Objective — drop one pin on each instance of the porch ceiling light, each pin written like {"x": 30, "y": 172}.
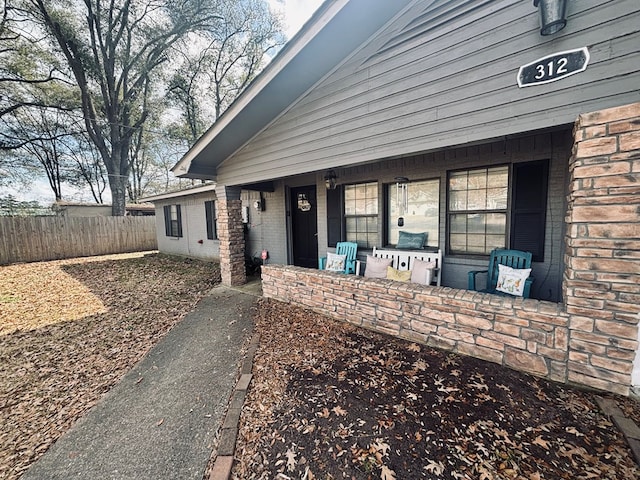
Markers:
{"x": 330, "y": 179}
{"x": 553, "y": 15}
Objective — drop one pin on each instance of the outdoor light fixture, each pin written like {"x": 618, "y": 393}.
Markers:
{"x": 330, "y": 179}
{"x": 553, "y": 15}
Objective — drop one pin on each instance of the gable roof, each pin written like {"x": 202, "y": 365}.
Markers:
{"x": 336, "y": 30}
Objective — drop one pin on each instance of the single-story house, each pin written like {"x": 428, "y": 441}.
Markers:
{"x": 79, "y": 209}
{"x": 482, "y": 124}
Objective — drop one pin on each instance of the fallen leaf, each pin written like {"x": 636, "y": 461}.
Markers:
{"x": 387, "y": 474}
{"x": 291, "y": 460}
{"x": 338, "y": 410}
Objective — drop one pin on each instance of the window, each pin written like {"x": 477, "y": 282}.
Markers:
{"x": 172, "y": 221}
{"x": 361, "y": 214}
{"x": 477, "y": 210}
{"x": 414, "y": 207}
{"x": 210, "y": 213}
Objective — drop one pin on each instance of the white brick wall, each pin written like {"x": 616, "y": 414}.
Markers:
{"x": 194, "y": 228}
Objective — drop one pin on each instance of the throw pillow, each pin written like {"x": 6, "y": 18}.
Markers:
{"x": 411, "y": 240}
{"x": 335, "y": 263}
{"x": 511, "y": 280}
{"x": 377, "y": 267}
{"x": 398, "y": 275}
{"x": 422, "y": 272}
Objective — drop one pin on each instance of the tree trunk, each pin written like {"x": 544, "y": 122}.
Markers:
{"x": 118, "y": 185}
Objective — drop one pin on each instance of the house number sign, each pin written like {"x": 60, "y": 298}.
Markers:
{"x": 553, "y": 67}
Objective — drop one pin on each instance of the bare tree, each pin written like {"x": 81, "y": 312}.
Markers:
{"x": 226, "y": 59}
{"x": 112, "y": 49}
{"x": 40, "y": 136}
{"x": 88, "y": 170}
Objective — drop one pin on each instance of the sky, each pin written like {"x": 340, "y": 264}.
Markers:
{"x": 296, "y": 13}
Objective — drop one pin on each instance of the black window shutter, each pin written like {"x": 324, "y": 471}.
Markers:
{"x": 334, "y": 216}
{"x": 210, "y": 211}
{"x": 167, "y": 220}
{"x": 179, "y": 233}
{"x": 529, "y": 207}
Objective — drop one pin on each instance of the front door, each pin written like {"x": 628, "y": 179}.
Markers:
{"x": 304, "y": 226}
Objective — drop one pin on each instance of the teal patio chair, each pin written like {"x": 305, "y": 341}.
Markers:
{"x": 350, "y": 249}
{"x": 511, "y": 258}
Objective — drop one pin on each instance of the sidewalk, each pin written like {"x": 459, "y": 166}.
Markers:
{"x": 161, "y": 420}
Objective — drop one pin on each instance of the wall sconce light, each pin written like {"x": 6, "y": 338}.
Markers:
{"x": 553, "y": 15}
{"x": 330, "y": 179}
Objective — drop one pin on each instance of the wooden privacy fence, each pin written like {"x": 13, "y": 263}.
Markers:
{"x": 32, "y": 239}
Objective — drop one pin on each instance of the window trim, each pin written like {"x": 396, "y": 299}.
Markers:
{"x": 376, "y": 216}
{"x": 173, "y": 227}
{"x": 506, "y": 211}
{"x": 510, "y": 212}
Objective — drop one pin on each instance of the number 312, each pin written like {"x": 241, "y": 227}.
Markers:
{"x": 548, "y": 69}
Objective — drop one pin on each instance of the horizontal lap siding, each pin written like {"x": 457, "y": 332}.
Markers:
{"x": 449, "y": 86}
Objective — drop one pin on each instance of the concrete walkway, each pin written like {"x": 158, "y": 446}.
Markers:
{"x": 160, "y": 421}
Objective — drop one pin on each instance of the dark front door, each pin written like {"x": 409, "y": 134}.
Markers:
{"x": 304, "y": 226}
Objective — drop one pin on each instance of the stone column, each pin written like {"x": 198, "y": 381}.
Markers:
{"x": 602, "y": 263}
{"x": 231, "y": 235}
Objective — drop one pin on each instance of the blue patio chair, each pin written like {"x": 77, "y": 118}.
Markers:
{"x": 511, "y": 258}
{"x": 350, "y": 249}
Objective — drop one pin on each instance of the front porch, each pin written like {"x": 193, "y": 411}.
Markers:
{"x": 589, "y": 338}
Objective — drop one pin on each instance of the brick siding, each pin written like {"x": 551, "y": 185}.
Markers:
{"x": 231, "y": 236}
{"x": 602, "y": 275}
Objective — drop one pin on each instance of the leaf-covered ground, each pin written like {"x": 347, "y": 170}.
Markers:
{"x": 330, "y": 401}
{"x": 69, "y": 330}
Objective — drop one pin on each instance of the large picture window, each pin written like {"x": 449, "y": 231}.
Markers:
{"x": 414, "y": 207}
{"x": 477, "y": 210}
{"x": 361, "y": 214}
{"x": 172, "y": 221}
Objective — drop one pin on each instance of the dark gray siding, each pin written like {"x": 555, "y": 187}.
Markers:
{"x": 444, "y": 74}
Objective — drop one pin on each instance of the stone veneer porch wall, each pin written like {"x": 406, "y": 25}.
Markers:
{"x": 591, "y": 339}
{"x": 524, "y": 334}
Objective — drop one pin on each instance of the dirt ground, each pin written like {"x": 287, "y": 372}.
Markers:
{"x": 327, "y": 400}
{"x": 330, "y": 401}
{"x": 69, "y": 330}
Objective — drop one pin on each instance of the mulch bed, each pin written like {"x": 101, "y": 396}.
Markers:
{"x": 69, "y": 330}
{"x": 331, "y": 401}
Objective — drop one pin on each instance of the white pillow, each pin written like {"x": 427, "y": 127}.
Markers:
{"x": 377, "y": 267}
{"x": 422, "y": 272}
{"x": 335, "y": 263}
{"x": 511, "y": 280}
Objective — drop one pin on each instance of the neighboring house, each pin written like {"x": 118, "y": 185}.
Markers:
{"x": 78, "y": 209}
{"x": 418, "y": 116}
